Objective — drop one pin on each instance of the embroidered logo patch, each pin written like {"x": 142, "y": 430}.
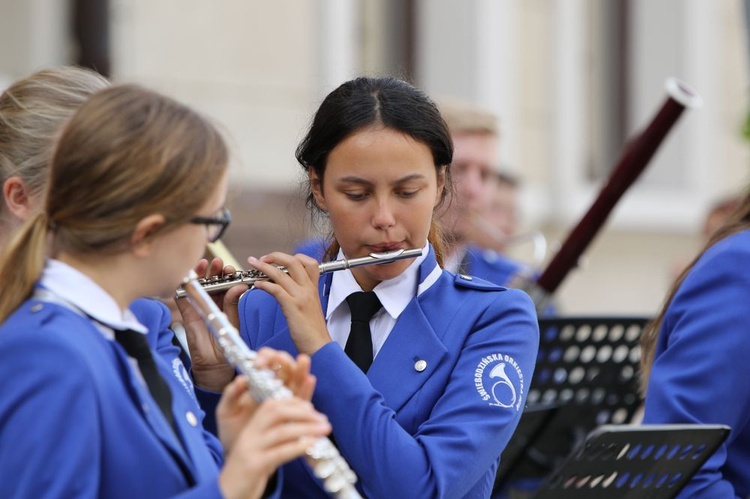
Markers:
{"x": 178, "y": 368}
{"x": 499, "y": 381}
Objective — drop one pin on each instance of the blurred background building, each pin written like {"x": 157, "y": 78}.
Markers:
{"x": 571, "y": 82}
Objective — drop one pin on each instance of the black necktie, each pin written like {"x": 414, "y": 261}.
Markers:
{"x": 136, "y": 346}
{"x": 363, "y": 305}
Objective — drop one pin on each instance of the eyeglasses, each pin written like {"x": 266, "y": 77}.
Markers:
{"x": 214, "y": 225}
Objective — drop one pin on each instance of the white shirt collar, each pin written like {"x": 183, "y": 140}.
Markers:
{"x": 71, "y": 286}
{"x": 394, "y": 294}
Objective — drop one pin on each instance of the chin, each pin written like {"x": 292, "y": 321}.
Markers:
{"x": 388, "y": 271}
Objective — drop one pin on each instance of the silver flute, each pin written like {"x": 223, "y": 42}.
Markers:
{"x": 217, "y": 284}
{"x": 323, "y": 457}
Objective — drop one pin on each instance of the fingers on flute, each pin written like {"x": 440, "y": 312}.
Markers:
{"x": 233, "y": 294}
{"x": 201, "y": 268}
{"x": 277, "y": 360}
{"x": 311, "y": 266}
{"x": 303, "y": 382}
{"x": 215, "y": 268}
{"x": 277, "y": 277}
{"x": 284, "y": 420}
{"x": 236, "y": 390}
{"x": 293, "y": 265}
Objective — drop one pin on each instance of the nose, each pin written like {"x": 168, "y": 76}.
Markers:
{"x": 384, "y": 215}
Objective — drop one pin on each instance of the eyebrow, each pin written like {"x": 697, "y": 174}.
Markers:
{"x": 351, "y": 179}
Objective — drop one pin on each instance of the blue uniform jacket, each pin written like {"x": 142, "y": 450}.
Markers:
{"x": 157, "y": 318}
{"x": 492, "y": 266}
{"x": 76, "y": 422}
{"x": 441, "y": 399}
{"x": 700, "y": 370}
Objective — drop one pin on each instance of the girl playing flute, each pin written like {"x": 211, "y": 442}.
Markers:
{"x": 88, "y": 410}
{"x": 451, "y": 356}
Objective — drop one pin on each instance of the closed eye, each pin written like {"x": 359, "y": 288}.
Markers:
{"x": 408, "y": 194}
{"x": 356, "y": 196}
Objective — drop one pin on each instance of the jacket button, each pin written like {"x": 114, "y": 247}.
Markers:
{"x": 466, "y": 277}
{"x": 420, "y": 365}
{"x": 191, "y": 418}
{"x": 36, "y": 307}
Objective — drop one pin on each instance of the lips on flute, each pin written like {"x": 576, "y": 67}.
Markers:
{"x": 218, "y": 284}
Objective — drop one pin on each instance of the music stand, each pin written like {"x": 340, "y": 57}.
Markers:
{"x": 587, "y": 369}
{"x": 532, "y": 422}
{"x": 634, "y": 462}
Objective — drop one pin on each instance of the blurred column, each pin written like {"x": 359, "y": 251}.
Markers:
{"x": 470, "y": 49}
{"x": 91, "y": 33}
{"x": 33, "y": 34}
{"x": 570, "y": 110}
{"x": 339, "y": 43}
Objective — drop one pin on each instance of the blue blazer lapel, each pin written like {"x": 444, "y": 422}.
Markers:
{"x": 394, "y": 371}
{"x": 154, "y": 418}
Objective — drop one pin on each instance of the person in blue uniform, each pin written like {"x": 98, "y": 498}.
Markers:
{"x": 32, "y": 112}
{"x": 469, "y": 249}
{"x": 475, "y": 136}
{"x": 452, "y": 356}
{"x": 693, "y": 355}
{"x": 88, "y": 409}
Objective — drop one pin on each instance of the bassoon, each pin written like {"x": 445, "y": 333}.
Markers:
{"x": 633, "y": 160}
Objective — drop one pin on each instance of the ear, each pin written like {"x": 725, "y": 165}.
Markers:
{"x": 17, "y": 197}
{"x": 440, "y": 185}
{"x": 142, "y": 241}
{"x": 316, "y": 184}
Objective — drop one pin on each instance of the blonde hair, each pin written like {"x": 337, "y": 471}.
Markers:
{"x": 32, "y": 112}
{"x": 464, "y": 117}
{"x": 126, "y": 153}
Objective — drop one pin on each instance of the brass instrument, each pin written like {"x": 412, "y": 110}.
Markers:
{"x": 323, "y": 457}
{"x": 217, "y": 284}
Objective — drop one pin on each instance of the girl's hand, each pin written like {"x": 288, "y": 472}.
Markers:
{"x": 209, "y": 367}
{"x": 277, "y": 431}
{"x": 237, "y": 406}
{"x": 295, "y": 374}
{"x": 297, "y": 293}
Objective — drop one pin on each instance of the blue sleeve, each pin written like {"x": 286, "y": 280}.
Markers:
{"x": 42, "y": 404}
{"x": 460, "y": 440}
{"x": 314, "y": 247}
{"x": 699, "y": 374}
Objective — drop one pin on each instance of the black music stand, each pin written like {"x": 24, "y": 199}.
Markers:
{"x": 634, "y": 462}
{"x": 587, "y": 369}
{"x": 532, "y": 422}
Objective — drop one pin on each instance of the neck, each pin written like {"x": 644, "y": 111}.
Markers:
{"x": 365, "y": 282}
{"x": 455, "y": 248}
{"x": 113, "y": 273}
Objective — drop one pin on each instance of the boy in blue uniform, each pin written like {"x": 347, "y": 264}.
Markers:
{"x": 474, "y": 169}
